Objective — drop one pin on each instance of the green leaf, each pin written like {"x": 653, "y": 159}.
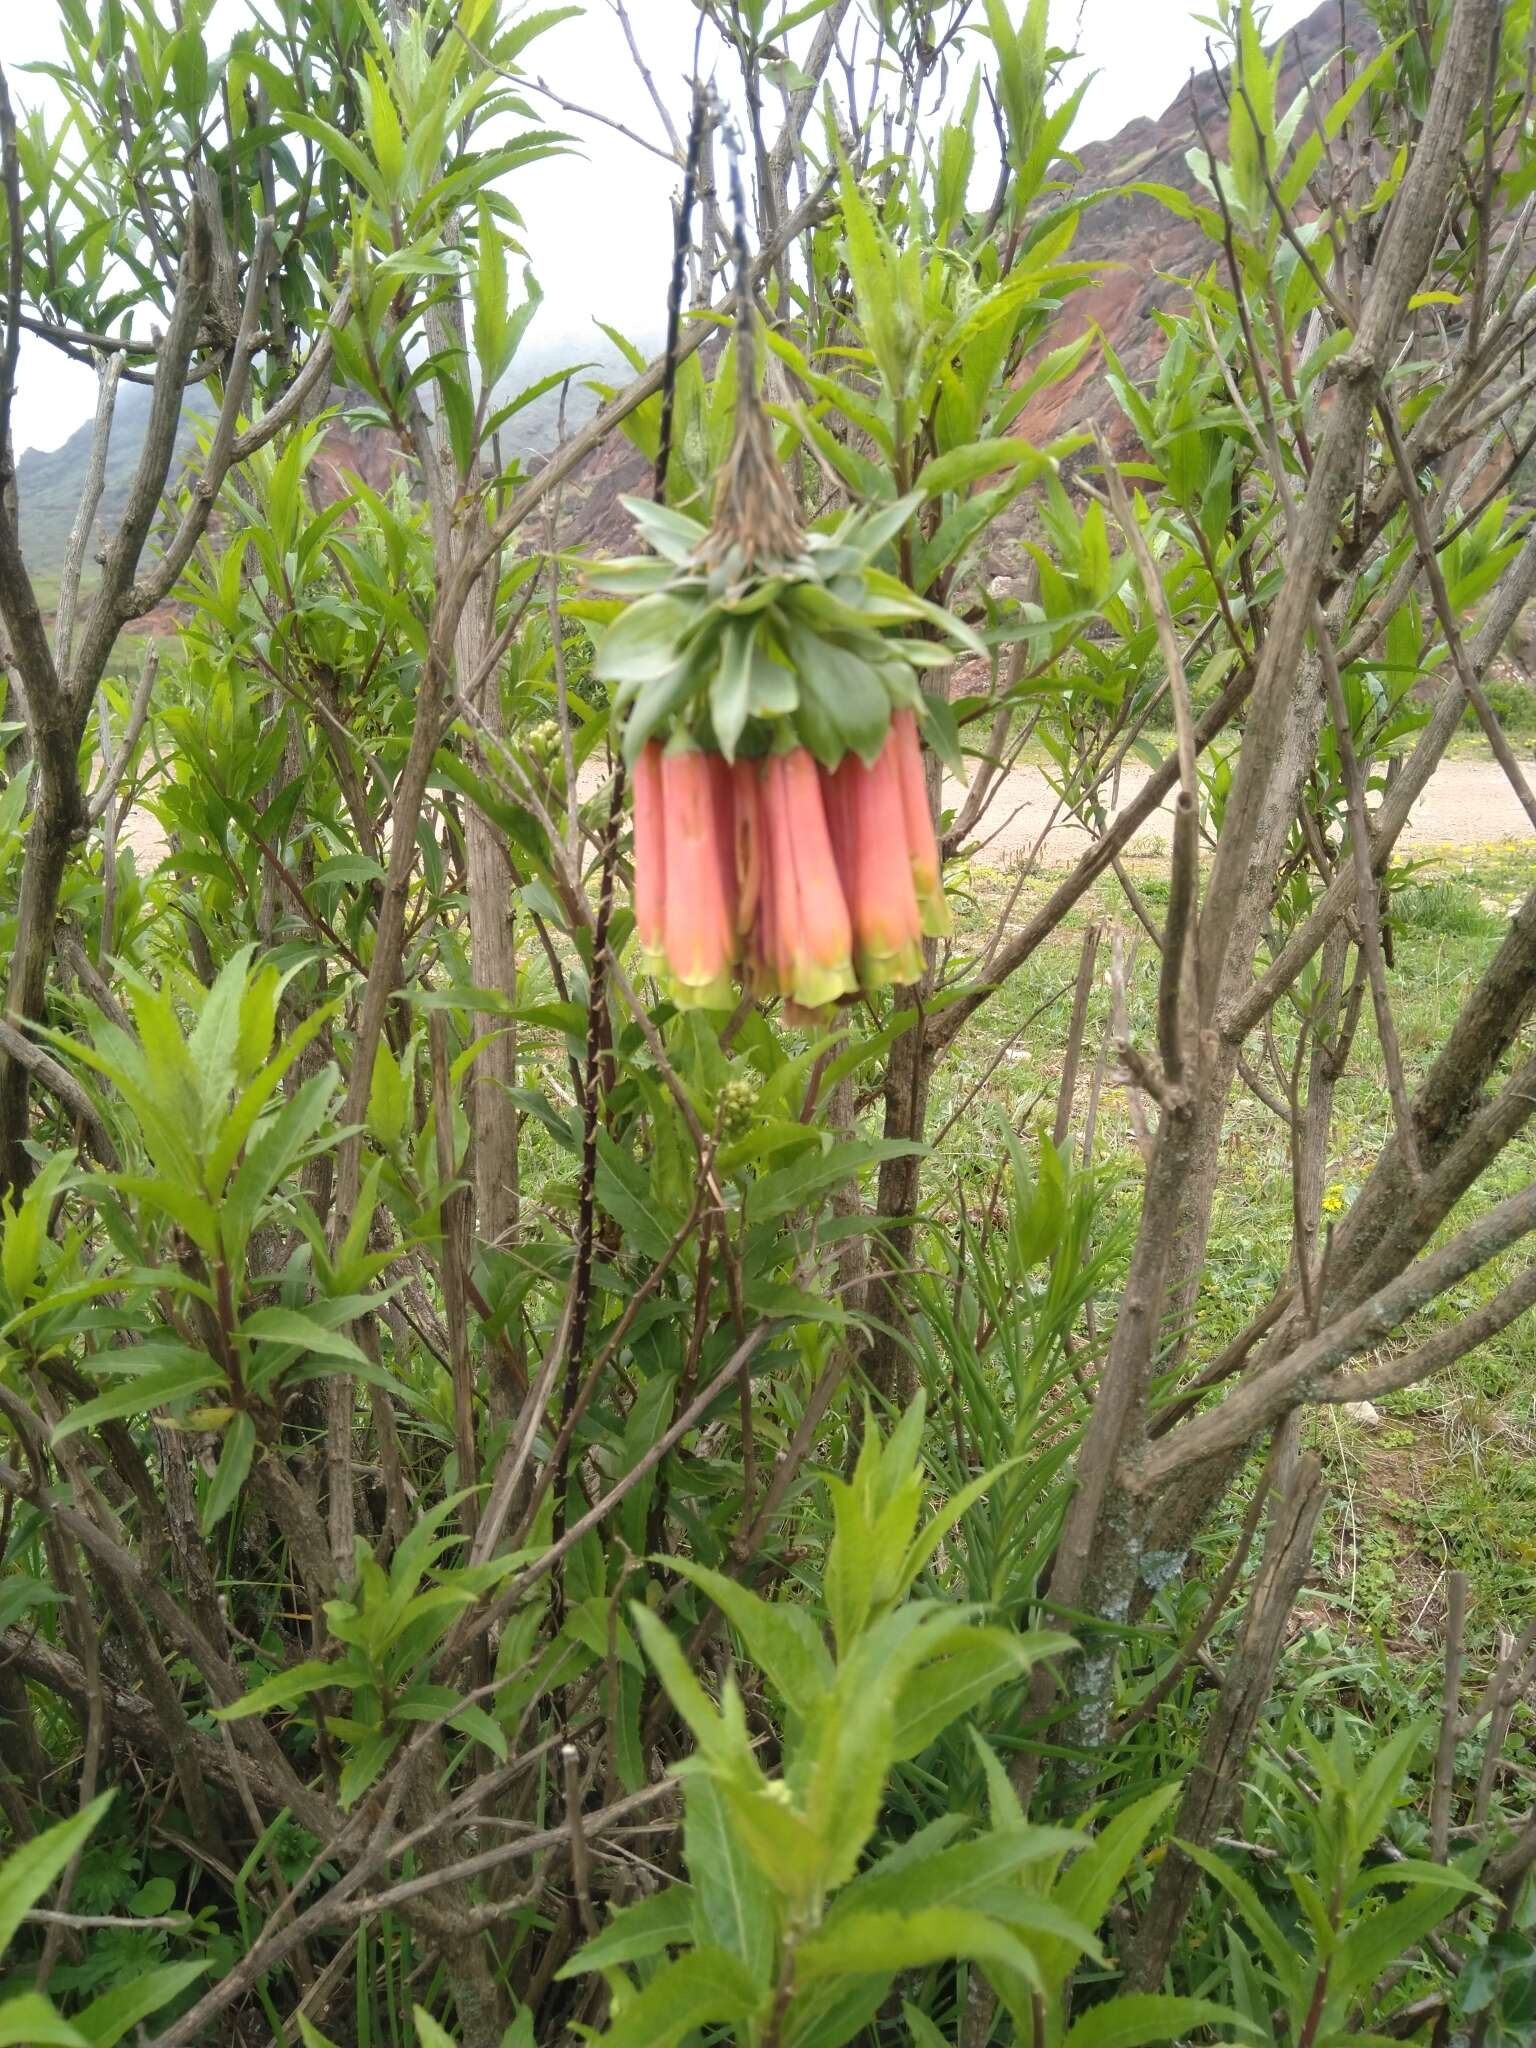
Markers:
{"x": 1387, "y": 1935}
{"x": 872, "y": 264}
{"x": 388, "y": 1103}
{"x": 1281, "y": 1954}
{"x": 704, "y": 1988}
{"x": 636, "y": 1933}
{"x": 779, "y": 1636}
{"x": 733, "y": 1901}
{"x": 928, "y": 1539}
{"x": 293, "y": 1326}
{"x": 281, "y": 1689}
{"x": 188, "y": 61}
{"x": 475, "y": 1721}
{"x": 143, "y": 1392}
{"x": 230, "y": 1475}
{"x": 924, "y": 2033}
{"x": 730, "y": 693}
{"x": 885, "y": 1943}
{"x": 27, "y": 1874}
{"x": 490, "y": 317}
{"x": 32, "y": 2021}
{"x": 676, "y": 1675}
{"x": 968, "y": 1669}
{"x": 107, "y": 2019}
{"x": 347, "y": 154}
{"x": 961, "y": 466}
{"x": 21, "y": 1595}
{"x": 384, "y": 128}
{"x": 364, "y": 1765}
{"x": 843, "y": 703}
{"x": 1087, "y": 1887}
{"x": 645, "y": 641}
{"x": 1135, "y": 2017}
{"x": 961, "y": 1874}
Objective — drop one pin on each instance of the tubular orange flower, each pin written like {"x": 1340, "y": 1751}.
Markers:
{"x": 922, "y": 844}
{"x": 650, "y": 861}
{"x": 700, "y": 942}
{"x": 723, "y": 799}
{"x": 838, "y": 803}
{"x": 762, "y": 948}
{"x": 747, "y": 841}
{"x": 887, "y": 929}
{"x": 809, "y": 940}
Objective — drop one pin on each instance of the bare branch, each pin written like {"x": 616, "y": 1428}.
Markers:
{"x": 147, "y": 592}
{"x": 62, "y": 1084}
{"x": 1513, "y": 594}
{"x": 1367, "y": 901}
{"x": 90, "y": 498}
{"x": 95, "y": 810}
{"x": 112, "y": 608}
{"x": 1466, "y": 670}
{"x": 648, "y": 81}
{"x": 1445, "y": 1755}
{"x": 1301, "y": 1374}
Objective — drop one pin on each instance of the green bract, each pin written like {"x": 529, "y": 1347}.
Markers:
{"x": 817, "y": 649}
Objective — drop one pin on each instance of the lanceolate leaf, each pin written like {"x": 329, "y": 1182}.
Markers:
{"x": 1132, "y": 2019}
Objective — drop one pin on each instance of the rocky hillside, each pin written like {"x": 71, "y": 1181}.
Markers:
{"x": 48, "y": 484}
{"x": 1145, "y": 250}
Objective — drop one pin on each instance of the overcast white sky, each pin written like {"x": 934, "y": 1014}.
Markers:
{"x": 599, "y": 225}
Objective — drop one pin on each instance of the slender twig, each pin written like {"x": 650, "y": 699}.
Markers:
{"x": 648, "y": 81}
{"x": 1445, "y": 1755}
{"x": 59, "y": 1082}
{"x": 1303, "y": 1372}
{"x": 581, "y": 1855}
{"x": 1466, "y": 671}
{"x": 138, "y": 711}
{"x": 1367, "y": 895}
{"x": 701, "y": 120}
{"x": 90, "y": 499}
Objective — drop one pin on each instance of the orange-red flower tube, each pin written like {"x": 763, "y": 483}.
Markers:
{"x": 698, "y": 926}
{"x": 808, "y": 943}
{"x": 747, "y": 841}
{"x": 887, "y": 928}
{"x": 922, "y": 843}
{"x": 722, "y": 796}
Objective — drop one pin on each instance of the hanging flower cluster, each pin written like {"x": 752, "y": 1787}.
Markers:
{"x": 799, "y": 882}
{"x": 769, "y": 711}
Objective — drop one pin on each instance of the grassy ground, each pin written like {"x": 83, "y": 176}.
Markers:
{"x": 1446, "y": 1478}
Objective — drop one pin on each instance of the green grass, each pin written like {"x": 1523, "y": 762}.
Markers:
{"x": 1446, "y": 1479}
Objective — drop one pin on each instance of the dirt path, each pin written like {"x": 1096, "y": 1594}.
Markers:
{"x": 1467, "y": 803}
